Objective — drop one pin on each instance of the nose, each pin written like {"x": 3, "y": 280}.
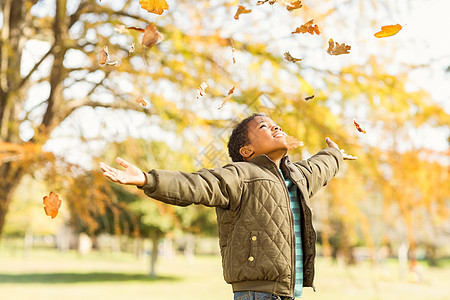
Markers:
{"x": 276, "y": 128}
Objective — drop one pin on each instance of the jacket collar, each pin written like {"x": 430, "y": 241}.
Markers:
{"x": 288, "y": 168}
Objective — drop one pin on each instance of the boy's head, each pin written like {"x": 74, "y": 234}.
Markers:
{"x": 256, "y": 135}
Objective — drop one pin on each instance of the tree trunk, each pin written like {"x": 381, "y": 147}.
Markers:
{"x": 154, "y": 256}
{"x": 10, "y": 174}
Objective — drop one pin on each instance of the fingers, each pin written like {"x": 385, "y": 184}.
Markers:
{"x": 331, "y": 143}
{"x": 350, "y": 157}
{"x": 109, "y": 172}
{"x": 122, "y": 162}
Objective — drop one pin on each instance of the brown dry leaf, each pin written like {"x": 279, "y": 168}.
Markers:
{"x": 309, "y": 97}
{"x": 294, "y": 5}
{"x": 132, "y": 48}
{"x": 271, "y": 2}
{"x": 201, "y": 91}
{"x": 120, "y": 28}
{"x": 337, "y": 49}
{"x": 151, "y": 36}
{"x": 228, "y": 97}
{"x": 136, "y": 29}
{"x": 233, "y": 50}
{"x": 241, "y": 10}
{"x": 292, "y": 142}
{"x": 141, "y": 100}
{"x": 358, "y": 127}
{"x": 388, "y": 30}
{"x": 103, "y": 58}
{"x": 290, "y": 58}
{"x": 52, "y": 204}
{"x": 308, "y": 27}
{"x": 154, "y": 6}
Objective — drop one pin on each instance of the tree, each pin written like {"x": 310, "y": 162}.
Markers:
{"x": 204, "y": 48}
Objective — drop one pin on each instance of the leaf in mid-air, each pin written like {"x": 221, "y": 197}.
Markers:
{"x": 132, "y": 48}
{"x": 52, "y": 204}
{"x": 290, "y": 58}
{"x": 225, "y": 100}
{"x": 388, "y": 30}
{"x": 358, "y": 127}
{"x": 201, "y": 91}
{"x": 241, "y": 10}
{"x": 337, "y": 49}
{"x": 154, "y": 6}
{"x": 151, "y": 36}
{"x": 308, "y": 27}
{"x": 103, "y": 58}
{"x": 294, "y": 5}
{"x": 141, "y": 100}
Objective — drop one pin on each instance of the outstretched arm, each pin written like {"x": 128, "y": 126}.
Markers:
{"x": 323, "y": 166}
{"x": 131, "y": 175}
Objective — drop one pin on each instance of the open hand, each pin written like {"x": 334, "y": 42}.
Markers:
{"x": 131, "y": 175}
{"x": 344, "y": 155}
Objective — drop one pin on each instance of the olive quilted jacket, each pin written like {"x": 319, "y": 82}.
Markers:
{"x": 255, "y": 222}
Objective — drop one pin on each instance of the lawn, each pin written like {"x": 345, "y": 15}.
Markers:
{"x": 49, "y": 274}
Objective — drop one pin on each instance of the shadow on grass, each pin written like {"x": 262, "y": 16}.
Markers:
{"x": 55, "y": 278}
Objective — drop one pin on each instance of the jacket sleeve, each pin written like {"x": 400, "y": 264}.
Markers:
{"x": 209, "y": 187}
{"x": 320, "y": 168}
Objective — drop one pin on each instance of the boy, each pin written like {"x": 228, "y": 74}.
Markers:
{"x": 262, "y": 201}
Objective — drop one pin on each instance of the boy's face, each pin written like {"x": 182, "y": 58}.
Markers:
{"x": 266, "y": 137}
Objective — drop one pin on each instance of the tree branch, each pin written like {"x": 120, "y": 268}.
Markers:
{"x": 36, "y": 66}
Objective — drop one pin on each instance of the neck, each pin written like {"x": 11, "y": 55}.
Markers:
{"x": 274, "y": 156}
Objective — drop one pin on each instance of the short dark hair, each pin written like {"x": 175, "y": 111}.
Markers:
{"x": 239, "y": 137}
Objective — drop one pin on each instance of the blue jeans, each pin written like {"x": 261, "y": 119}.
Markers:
{"x": 251, "y": 295}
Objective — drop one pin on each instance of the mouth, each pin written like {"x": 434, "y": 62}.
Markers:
{"x": 280, "y": 135}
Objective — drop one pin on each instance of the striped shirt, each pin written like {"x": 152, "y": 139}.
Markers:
{"x": 296, "y": 212}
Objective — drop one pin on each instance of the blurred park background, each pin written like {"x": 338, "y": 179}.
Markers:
{"x": 383, "y": 223}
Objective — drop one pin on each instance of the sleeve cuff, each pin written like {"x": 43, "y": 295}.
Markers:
{"x": 150, "y": 183}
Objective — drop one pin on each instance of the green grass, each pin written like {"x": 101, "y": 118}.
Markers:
{"x": 49, "y": 274}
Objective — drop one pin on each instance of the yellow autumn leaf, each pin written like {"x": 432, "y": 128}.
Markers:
{"x": 388, "y": 30}
{"x": 154, "y": 6}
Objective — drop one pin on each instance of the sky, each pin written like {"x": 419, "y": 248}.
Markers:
{"x": 423, "y": 38}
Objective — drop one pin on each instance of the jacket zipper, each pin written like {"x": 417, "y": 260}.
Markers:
{"x": 291, "y": 219}
{"x": 303, "y": 216}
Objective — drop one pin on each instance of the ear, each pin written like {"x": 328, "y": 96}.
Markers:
{"x": 246, "y": 151}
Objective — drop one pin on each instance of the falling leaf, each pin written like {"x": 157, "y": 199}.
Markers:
{"x": 271, "y": 2}
{"x": 337, "y": 49}
{"x": 52, "y": 204}
{"x": 233, "y": 50}
{"x": 154, "y": 6}
{"x": 201, "y": 90}
{"x": 136, "y": 29}
{"x": 241, "y": 10}
{"x": 308, "y": 27}
{"x": 358, "y": 127}
{"x": 309, "y": 97}
{"x": 228, "y": 97}
{"x": 292, "y": 142}
{"x": 151, "y": 36}
{"x": 294, "y": 5}
{"x": 120, "y": 28}
{"x": 290, "y": 58}
{"x": 103, "y": 57}
{"x": 141, "y": 100}
{"x": 388, "y": 30}
{"x": 132, "y": 48}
